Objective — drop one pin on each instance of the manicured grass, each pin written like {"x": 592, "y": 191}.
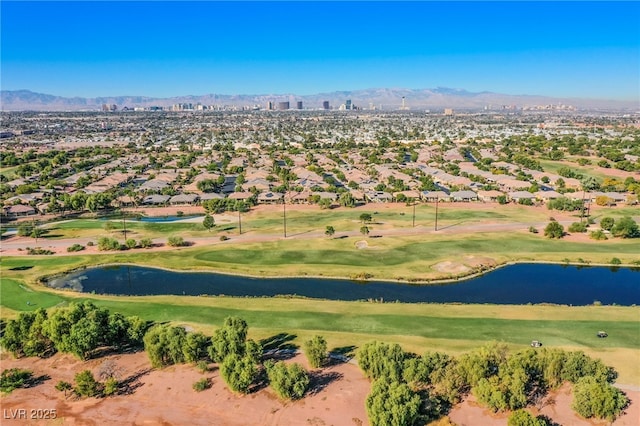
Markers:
{"x": 407, "y": 257}
{"x": 451, "y": 328}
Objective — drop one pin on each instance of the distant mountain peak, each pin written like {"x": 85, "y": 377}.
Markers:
{"x": 388, "y": 98}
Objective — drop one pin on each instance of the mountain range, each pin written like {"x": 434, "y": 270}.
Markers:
{"x": 387, "y": 98}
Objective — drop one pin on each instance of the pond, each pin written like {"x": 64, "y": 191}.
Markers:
{"x": 514, "y": 284}
{"x": 161, "y": 219}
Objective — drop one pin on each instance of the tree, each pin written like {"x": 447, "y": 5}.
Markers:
{"x": 14, "y": 378}
{"x": 594, "y": 398}
{"x": 329, "y": 231}
{"x": 238, "y": 372}
{"x": 131, "y": 243}
{"x": 607, "y": 223}
{"x": 289, "y": 381}
{"x": 364, "y": 230}
{"x": 164, "y": 345}
{"x": 554, "y": 230}
{"x": 377, "y": 359}
{"x": 229, "y": 339}
{"x": 316, "y": 351}
{"x": 63, "y": 386}
{"x": 392, "y": 404}
{"x": 625, "y": 228}
{"x": 208, "y": 222}
{"x": 366, "y": 217}
{"x": 195, "y": 347}
{"x": 325, "y": 203}
{"x": 86, "y": 384}
{"x": 524, "y": 418}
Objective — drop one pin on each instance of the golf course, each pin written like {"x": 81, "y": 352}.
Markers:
{"x": 401, "y": 252}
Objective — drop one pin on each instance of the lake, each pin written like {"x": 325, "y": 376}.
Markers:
{"x": 514, "y": 284}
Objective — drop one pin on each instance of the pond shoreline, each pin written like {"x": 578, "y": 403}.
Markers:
{"x": 524, "y": 283}
{"x": 417, "y": 282}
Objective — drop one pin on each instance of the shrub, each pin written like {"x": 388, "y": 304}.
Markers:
{"x": 289, "y": 381}
{"x": 37, "y": 251}
{"x": 554, "y": 230}
{"x": 525, "y": 201}
{"x": 63, "y": 386}
{"x": 75, "y": 247}
{"x": 86, "y": 384}
{"x": 202, "y": 366}
{"x": 607, "y": 223}
{"x": 202, "y": 384}
{"x": 615, "y": 261}
{"x": 316, "y": 351}
{"x": 598, "y": 235}
{"x": 223, "y": 238}
{"x": 111, "y": 386}
{"x": 578, "y": 227}
{"x": 594, "y": 398}
{"x": 524, "y": 418}
{"x": 625, "y": 228}
{"x": 106, "y": 243}
{"x": 146, "y": 242}
{"x": 90, "y": 244}
{"x": 533, "y": 230}
{"x": 131, "y": 243}
{"x": 175, "y": 241}
{"x": 14, "y": 378}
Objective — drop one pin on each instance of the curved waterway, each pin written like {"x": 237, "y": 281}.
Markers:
{"x": 514, "y": 284}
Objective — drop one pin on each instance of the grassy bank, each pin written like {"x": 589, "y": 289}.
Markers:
{"x": 413, "y": 258}
{"x": 418, "y": 327}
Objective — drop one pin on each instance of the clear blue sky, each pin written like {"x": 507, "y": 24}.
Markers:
{"x": 151, "y": 48}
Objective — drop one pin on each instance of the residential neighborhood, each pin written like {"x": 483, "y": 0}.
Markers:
{"x": 89, "y": 162}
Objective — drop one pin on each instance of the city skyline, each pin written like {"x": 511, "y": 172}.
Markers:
{"x": 164, "y": 49}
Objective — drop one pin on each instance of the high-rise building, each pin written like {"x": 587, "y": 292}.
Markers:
{"x": 283, "y": 106}
{"x": 325, "y": 105}
{"x": 347, "y": 105}
{"x": 299, "y": 105}
{"x": 269, "y": 106}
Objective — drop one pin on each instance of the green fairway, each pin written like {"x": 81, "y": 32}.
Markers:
{"x": 451, "y": 328}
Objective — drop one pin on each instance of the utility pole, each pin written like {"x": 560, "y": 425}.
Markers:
{"x": 437, "y": 198}
{"x": 284, "y": 215}
{"x": 414, "y": 214}
{"x": 124, "y": 225}
{"x": 239, "y": 222}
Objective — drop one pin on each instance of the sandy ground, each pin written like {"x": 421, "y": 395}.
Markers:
{"x": 166, "y": 397}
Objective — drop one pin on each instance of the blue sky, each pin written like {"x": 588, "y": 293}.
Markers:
{"x": 151, "y": 48}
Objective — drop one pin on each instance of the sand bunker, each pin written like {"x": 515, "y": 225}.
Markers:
{"x": 362, "y": 244}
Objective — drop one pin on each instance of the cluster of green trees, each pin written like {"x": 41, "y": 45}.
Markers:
{"x": 564, "y": 204}
{"x": 239, "y": 358}
{"x": 79, "y": 329}
{"x": 408, "y": 388}
{"x": 222, "y": 205}
{"x": 108, "y": 243}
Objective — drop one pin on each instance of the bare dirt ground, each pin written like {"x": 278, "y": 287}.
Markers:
{"x": 556, "y": 406}
{"x": 166, "y": 397}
